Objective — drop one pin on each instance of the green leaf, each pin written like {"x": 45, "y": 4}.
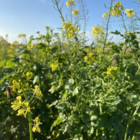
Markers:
{"x": 76, "y": 91}
{"x": 35, "y": 79}
{"x": 71, "y": 81}
{"x": 93, "y": 117}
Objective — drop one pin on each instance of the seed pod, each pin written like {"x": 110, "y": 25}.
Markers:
{"x": 9, "y": 92}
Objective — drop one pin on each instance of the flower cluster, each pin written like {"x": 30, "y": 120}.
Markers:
{"x": 36, "y": 125}
{"x": 105, "y": 15}
{"x": 21, "y": 35}
{"x": 54, "y": 66}
{"x": 96, "y": 30}
{"x": 15, "y": 85}
{"x": 9, "y": 51}
{"x": 70, "y": 3}
{"x": 15, "y": 43}
{"x": 110, "y": 69}
{"x": 75, "y": 12}
{"x": 37, "y": 92}
{"x": 22, "y": 107}
{"x": 28, "y": 75}
{"x": 130, "y": 12}
{"x": 70, "y": 28}
{"x": 117, "y": 9}
{"x": 29, "y": 47}
{"x": 89, "y": 58}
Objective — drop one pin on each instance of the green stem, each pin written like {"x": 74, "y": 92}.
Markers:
{"x": 30, "y": 126}
{"x": 29, "y": 119}
{"x": 127, "y": 127}
{"x": 128, "y": 124}
{"x": 133, "y": 138}
{"x": 124, "y": 24}
{"x": 107, "y": 26}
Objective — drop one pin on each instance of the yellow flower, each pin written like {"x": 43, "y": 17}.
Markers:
{"x": 70, "y": 3}
{"x": 60, "y": 82}
{"x": 110, "y": 69}
{"x": 28, "y": 109}
{"x": 15, "y": 85}
{"x": 29, "y": 47}
{"x": 75, "y": 12}
{"x": 130, "y": 12}
{"x": 57, "y": 135}
{"x": 20, "y": 90}
{"x": 69, "y": 28}
{"x": 90, "y": 54}
{"x": 26, "y": 103}
{"x": 96, "y": 30}
{"x": 21, "y": 35}
{"x": 36, "y": 129}
{"x": 17, "y": 103}
{"x": 117, "y": 9}
{"x": 54, "y": 66}
{"x": 86, "y": 58}
{"x": 29, "y": 75}
{"x": 18, "y": 98}
{"x": 15, "y": 43}
{"x": 105, "y": 15}
{"x": 37, "y": 92}
{"x": 34, "y": 56}
{"x": 20, "y": 112}
{"x": 36, "y": 125}
{"x": 50, "y": 47}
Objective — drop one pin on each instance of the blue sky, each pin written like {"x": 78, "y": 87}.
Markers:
{"x": 30, "y": 16}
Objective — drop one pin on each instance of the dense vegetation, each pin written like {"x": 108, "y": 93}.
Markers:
{"x": 59, "y": 88}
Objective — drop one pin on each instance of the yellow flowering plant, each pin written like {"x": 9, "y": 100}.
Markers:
{"x": 96, "y": 30}
{"x": 70, "y": 3}
{"x": 75, "y": 12}
{"x": 70, "y": 90}
{"x": 22, "y": 104}
{"x": 116, "y": 9}
{"x": 130, "y": 12}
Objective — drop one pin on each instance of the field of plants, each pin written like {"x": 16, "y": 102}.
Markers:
{"x": 54, "y": 87}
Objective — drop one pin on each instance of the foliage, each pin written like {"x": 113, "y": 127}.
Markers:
{"x": 65, "y": 90}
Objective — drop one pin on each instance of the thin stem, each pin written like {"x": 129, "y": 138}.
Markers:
{"x": 124, "y": 24}
{"x": 56, "y": 3}
{"x": 84, "y": 16}
{"x": 127, "y": 127}
{"x": 29, "y": 119}
{"x": 107, "y": 26}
